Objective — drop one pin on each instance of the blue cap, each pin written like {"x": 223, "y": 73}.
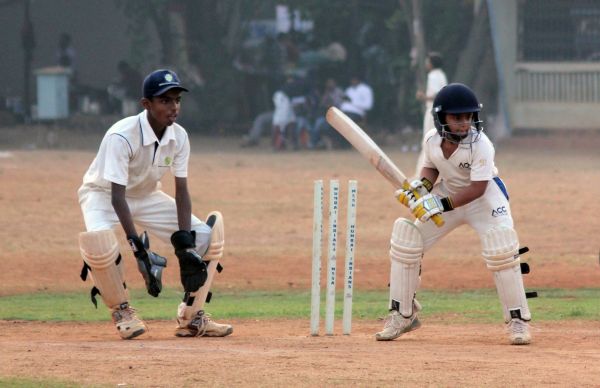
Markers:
{"x": 159, "y": 81}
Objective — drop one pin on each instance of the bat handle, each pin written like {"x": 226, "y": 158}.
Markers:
{"x": 438, "y": 220}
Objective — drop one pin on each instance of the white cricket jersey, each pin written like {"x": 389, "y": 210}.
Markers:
{"x": 470, "y": 162}
{"x": 131, "y": 155}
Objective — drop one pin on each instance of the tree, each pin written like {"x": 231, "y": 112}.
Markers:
{"x": 203, "y": 38}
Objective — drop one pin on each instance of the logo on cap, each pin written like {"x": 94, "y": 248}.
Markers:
{"x": 168, "y": 77}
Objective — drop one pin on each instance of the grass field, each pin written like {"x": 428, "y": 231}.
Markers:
{"x": 479, "y": 306}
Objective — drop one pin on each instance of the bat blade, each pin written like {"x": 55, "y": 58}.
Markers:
{"x": 366, "y": 146}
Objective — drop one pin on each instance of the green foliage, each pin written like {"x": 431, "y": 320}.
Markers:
{"x": 374, "y": 33}
{"x": 474, "y": 306}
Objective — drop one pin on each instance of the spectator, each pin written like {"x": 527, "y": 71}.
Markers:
{"x": 436, "y": 80}
{"x": 332, "y": 95}
{"x": 65, "y": 55}
{"x": 357, "y": 101}
{"x": 284, "y": 121}
{"x": 289, "y": 50}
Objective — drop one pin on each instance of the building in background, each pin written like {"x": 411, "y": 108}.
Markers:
{"x": 547, "y": 56}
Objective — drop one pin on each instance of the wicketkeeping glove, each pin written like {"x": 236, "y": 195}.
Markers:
{"x": 149, "y": 263}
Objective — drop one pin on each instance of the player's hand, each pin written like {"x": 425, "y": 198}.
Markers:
{"x": 406, "y": 197}
{"x": 411, "y": 191}
{"x": 430, "y": 205}
{"x": 149, "y": 263}
{"x": 192, "y": 269}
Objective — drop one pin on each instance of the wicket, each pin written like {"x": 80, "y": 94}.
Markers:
{"x": 334, "y": 189}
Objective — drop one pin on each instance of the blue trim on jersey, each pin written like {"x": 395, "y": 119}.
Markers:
{"x": 502, "y": 186}
{"x": 128, "y": 143}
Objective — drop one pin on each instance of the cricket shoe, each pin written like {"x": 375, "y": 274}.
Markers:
{"x": 396, "y": 325}
{"x": 128, "y": 324}
{"x": 518, "y": 331}
{"x": 201, "y": 325}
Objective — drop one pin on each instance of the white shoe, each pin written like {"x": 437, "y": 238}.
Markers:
{"x": 396, "y": 325}
{"x": 128, "y": 324}
{"x": 202, "y": 326}
{"x": 518, "y": 332}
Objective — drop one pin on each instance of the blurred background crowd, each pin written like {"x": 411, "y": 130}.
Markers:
{"x": 271, "y": 67}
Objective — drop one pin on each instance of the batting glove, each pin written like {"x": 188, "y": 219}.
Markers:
{"x": 430, "y": 205}
{"x": 410, "y": 192}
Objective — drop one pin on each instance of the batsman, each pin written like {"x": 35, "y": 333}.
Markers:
{"x": 122, "y": 186}
{"x": 459, "y": 182}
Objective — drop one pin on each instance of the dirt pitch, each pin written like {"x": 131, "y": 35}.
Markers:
{"x": 266, "y": 199}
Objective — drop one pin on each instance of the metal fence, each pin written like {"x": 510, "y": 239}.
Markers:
{"x": 552, "y": 82}
{"x": 559, "y": 30}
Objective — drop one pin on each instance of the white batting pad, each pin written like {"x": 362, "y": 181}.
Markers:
{"x": 501, "y": 253}
{"x": 405, "y": 253}
{"x": 100, "y": 251}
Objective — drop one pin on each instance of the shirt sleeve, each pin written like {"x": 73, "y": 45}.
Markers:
{"x": 482, "y": 167}
{"x": 116, "y": 165}
{"x": 426, "y": 150}
{"x": 179, "y": 168}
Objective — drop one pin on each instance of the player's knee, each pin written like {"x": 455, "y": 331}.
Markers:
{"x": 500, "y": 248}
{"x": 406, "y": 242}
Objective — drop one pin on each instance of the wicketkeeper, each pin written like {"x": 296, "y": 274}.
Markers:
{"x": 459, "y": 180}
{"x": 122, "y": 185}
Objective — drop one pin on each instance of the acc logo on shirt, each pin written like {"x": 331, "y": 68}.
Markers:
{"x": 168, "y": 161}
{"x": 500, "y": 211}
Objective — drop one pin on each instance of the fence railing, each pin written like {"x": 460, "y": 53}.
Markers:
{"x": 558, "y": 82}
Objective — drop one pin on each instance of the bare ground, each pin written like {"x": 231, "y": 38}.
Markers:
{"x": 266, "y": 199}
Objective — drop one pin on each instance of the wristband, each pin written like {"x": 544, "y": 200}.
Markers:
{"x": 427, "y": 184}
{"x": 447, "y": 204}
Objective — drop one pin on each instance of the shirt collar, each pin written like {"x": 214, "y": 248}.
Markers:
{"x": 148, "y": 135}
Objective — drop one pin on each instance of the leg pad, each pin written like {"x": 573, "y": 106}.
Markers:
{"x": 100, "y": 251}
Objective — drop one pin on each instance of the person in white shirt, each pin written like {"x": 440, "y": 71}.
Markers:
{"x": 436, "y": 80}
{"x": 357, "y": 101}
{"x": 459, "y": 160}
{"x": 122, "y": 186}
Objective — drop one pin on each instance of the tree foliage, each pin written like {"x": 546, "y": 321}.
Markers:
{"x": 374, "y": 33}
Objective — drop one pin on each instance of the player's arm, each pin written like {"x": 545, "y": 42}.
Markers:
{"x": 184, "y": 204}
{"x": 119, "y": 203}
{"x": 469, "y": 193}
{"x": 431, "y": 174}
{"x": 149, "y": 263}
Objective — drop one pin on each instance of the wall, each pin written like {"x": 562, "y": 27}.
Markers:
{"x": 98, "y": 30}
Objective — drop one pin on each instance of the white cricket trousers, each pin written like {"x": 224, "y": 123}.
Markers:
{"x": 155, "y": 213}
